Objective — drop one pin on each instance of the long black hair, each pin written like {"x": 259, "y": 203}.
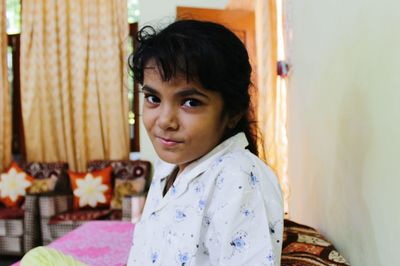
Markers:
{"x": 205, "y": 52}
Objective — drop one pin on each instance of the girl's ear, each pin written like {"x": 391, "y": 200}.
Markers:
{"x": 232, "y": 122}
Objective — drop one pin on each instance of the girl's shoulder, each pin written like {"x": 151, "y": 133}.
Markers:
{"x": 241, "y": 173}
{"x": 243, "y": 160}
{"x": 242, "y": 165}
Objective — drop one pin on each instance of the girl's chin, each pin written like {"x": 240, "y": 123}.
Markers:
{"x": 173, "y": 160}
{"x": 169, "y": 159}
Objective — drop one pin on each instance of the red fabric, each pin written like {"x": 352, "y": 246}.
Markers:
{"x": 11, "y": 213}
{"x": 303, "y": 247}
{"x": 87, "y": 215}
{"x": 80, "y": 215}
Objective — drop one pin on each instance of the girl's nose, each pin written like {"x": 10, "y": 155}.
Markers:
{"x": 167, "y": 119}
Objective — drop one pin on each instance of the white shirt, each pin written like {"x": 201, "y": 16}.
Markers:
{"x": 223, "y": 209}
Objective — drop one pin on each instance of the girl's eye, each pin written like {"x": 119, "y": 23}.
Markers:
{"x": 152, "y": 99}
{"x": 191, "y": 103}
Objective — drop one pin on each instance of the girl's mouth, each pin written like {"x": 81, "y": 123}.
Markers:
{"x": 168, "y": 142}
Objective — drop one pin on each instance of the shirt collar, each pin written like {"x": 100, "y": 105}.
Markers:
{"x": 236, "y": 142}
{"x": 194, "y": 169}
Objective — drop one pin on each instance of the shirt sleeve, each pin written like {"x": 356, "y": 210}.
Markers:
{"x": 240, "y": 230}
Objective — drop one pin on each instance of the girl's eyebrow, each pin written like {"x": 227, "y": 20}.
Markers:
{"x": 149, "y": 89}
{"x": 185, "y": 92}
{"x": 191, "y": 92}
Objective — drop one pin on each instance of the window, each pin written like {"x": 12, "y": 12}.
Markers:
{"x": 133, "y": 97}
{"x": 133, "y": 91}
{"x": 13, "y": 16}
{"x": 13, "y": 31}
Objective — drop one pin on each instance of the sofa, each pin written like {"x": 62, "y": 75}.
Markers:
{"x": 59, "y": 215}
{"x": 20, "y": 226}
{"x": 304, "y": 246}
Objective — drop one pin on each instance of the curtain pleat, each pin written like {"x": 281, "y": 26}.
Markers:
{"x": 74, "y": 80}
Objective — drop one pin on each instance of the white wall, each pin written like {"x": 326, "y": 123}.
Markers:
{"x": 159, "y": 13}
{"x": 344, "y": 125}
{"x": 156, "y": 12}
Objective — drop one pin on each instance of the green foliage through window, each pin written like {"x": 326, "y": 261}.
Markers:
{"x": 133, "y": 11}
{"x": 13, "y": 16}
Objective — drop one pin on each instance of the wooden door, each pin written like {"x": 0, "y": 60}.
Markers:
{"x": 241, "y": 22}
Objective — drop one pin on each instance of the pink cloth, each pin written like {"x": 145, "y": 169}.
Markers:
{"x": 98, "y": 243}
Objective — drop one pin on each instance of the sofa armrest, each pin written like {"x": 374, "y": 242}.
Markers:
{"x": 32, "y": 236}
{"x": 127, "y": 207}
{"x": 49, "y": 206}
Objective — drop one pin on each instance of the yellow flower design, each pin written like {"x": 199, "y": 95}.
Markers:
{"x": 43, "y": 185}
{"x": 90, "y": 191}
{"x": 122, "y": 188}
{"x": 13, "y": 184}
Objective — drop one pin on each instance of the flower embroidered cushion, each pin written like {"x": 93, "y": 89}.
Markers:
{"x": 124, "y": 188}
{"x": 13, "y": 186}
{"x": 91, "y": 190}
{"x": 43, "y": 185}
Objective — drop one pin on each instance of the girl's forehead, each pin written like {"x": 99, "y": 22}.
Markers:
{"x": 176, "y": 85}
{"x": 153, "y": 75}
{"x": 153, "y": 70}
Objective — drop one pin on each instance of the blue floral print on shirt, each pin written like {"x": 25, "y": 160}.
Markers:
{"x": 227, "y": 210}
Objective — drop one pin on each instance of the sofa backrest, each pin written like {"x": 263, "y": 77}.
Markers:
{"x": 40, "y": 170}
{"x": 124, "y": 169}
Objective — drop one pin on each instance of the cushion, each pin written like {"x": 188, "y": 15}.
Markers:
{"x": 41, "y": 170}
{"x": 93, "y": 189}
{"x": 303, "y": 245}
{"x": 124, "y": 188}
{"x": 13, "y": 186}
{"x": 43, "y": 185}
{"x": 123, "y": 169}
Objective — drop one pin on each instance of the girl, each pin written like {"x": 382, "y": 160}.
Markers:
{"x": 212, "y": 201}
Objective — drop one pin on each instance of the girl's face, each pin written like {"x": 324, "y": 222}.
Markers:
{"x": 184, "y": 120}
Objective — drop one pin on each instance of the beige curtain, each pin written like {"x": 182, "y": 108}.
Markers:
{"x": 73, "y": 80}
{"x": 5, "y": 108}
{"x": 271, "y": 101}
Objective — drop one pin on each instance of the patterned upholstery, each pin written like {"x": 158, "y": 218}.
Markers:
{"x": 56, "y": 209}
{"x": 45, "y": 170}
{"x": 126, "y": 209}
{"x": 304, "y": 246}
{"x": 127, "y": 206}
{"x": 20, "y": 228}
{"x": 19, "y": 233}
{"x": 127, "y": 170}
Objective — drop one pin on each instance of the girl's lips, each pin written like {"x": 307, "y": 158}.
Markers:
{"x": 168, "y": 142}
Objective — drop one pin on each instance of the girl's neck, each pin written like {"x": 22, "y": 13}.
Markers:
{"x": 170, "y": 180}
